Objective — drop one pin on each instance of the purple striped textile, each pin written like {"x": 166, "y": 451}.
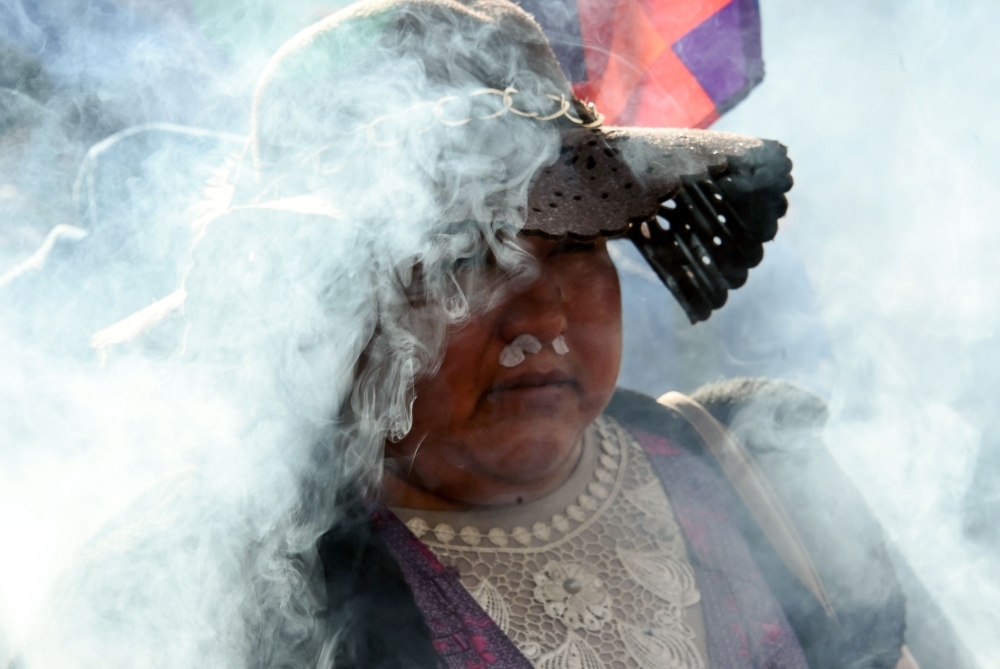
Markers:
{"x": 463, "y": 635}
{"x": 745, "y": 627}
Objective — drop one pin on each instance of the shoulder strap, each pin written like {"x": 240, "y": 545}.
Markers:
{"x": 755, "y": 491}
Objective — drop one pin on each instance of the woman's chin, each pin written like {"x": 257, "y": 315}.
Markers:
{"x": 532, "y": 452}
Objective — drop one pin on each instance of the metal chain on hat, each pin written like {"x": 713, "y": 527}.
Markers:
{"x": 506, "y": 95}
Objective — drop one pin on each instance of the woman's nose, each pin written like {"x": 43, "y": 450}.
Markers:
{"x": 538, "y": 311}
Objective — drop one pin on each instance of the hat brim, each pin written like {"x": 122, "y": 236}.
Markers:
{"x": 699, "y": 204}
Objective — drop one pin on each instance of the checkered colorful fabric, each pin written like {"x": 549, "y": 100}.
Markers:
{"x": 665, "y": 63}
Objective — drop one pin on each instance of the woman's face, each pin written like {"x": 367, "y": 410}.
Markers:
{"x": 487, "y": 434}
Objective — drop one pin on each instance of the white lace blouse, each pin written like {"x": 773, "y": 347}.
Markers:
{"x": 593, "y": 576}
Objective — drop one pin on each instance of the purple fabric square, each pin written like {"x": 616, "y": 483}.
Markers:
{"x": 723, "y": 53}
{"x": 745, "y": 627}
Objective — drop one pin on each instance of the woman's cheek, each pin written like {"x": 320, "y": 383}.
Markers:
{"x": 466, "y": 371}
{"x": 596, "y": 323}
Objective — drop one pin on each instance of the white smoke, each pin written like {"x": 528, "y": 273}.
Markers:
{"x": 887, "y": 108}
{"x": 170, "y": 486}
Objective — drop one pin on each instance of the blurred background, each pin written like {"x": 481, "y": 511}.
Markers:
{"x": 881, "y": 293}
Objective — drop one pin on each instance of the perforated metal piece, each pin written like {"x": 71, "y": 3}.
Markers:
{"x": 702, "y": 244}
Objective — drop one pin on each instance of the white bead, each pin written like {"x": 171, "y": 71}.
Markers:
{"x": 470, "y": 535}
{"x": 598, "y": 490}
{"x": 608, "y": 462}
{"x": 444, "y": 533}
{"x": 541, "y": 530}
{"x": 418, "y": 526}
{"x": 521, "y": 535}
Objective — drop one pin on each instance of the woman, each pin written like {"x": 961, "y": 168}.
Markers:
{"x": 418, "y": 236}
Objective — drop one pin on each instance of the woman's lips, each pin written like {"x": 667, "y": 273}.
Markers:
{"x": 529, "y": 381}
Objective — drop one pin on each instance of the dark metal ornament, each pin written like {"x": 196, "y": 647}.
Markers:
{"x": 702, "y": 244}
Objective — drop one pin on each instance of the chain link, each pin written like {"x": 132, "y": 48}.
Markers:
{"x": 507, "y": 97}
